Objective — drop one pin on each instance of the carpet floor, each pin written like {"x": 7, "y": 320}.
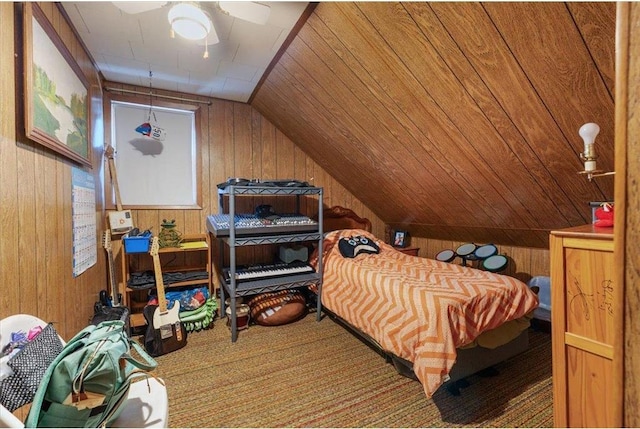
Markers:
{"x": 316, "y": 374}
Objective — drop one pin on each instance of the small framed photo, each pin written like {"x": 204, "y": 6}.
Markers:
{"x": 400, "y": 238}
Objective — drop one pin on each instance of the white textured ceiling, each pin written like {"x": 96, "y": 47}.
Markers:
{"x": 126, "y": 47}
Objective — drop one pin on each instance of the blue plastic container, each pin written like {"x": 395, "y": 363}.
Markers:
{"x": 543, "y": 312}
{"x": 137, "y": 244}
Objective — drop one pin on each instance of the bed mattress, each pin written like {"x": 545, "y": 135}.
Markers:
{"x": 419, "y": 309}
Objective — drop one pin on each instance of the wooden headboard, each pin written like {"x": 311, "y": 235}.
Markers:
{"x": 342, "y": 218}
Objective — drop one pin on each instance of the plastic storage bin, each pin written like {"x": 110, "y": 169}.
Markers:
{"x": 137, "y": 244}
{"x": 543, "y": 312}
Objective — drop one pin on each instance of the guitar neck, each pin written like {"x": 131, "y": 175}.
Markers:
{"x": 106, "y": 243}
{"x": 112, "y": 278}
{"x": 114, "y": 177}
{"x": 116, "y": 188}
{"x": 157, "y": 270}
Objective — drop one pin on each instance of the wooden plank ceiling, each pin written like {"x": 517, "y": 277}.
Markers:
{"x": 454, "y": 120}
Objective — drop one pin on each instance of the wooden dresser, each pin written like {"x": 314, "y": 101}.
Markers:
{"x": 586, "y": 392}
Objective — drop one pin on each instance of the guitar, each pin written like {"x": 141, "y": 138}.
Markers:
{"x": 120, "y": 221}
{"x": 110, "y": 307}
{"x": 115, "y": 298}
{"x": 165, "y": 333}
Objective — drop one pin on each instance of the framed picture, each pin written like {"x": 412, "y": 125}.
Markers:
{"x": 400, "y": 238}
{"x": 56, "y": 92}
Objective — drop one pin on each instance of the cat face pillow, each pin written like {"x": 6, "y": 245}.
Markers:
{"x": 350, "y": 247}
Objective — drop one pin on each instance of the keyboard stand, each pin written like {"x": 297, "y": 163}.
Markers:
{"x": 233, "y": 236}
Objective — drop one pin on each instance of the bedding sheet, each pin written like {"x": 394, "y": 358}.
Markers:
{"x": 417, "y": 308}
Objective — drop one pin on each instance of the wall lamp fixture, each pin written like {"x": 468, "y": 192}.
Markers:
{"x": 588, "y": 132}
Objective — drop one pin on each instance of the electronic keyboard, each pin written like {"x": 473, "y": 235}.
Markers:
{"x": 250, "y": 224}
{"x": 258, "y": 272}
{"x": 282, "y": 183}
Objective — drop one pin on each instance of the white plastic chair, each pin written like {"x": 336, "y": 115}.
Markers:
{"x": 147, "y": 405}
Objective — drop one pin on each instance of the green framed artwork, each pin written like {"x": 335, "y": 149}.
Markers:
{"x": 56, "y": 91}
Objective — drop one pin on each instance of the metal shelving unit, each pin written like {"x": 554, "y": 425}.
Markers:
{"x": 235, "y": 239}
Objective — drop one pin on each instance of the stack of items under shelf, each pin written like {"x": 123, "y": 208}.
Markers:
{"x": 200, "y": 318}
{"x": 197, "y": 308}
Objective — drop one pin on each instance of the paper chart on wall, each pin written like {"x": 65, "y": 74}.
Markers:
{"x": 83, "y": 195}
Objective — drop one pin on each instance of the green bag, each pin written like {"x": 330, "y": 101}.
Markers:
{"x": 87, "y": 385}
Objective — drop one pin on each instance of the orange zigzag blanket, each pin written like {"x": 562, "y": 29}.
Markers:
{"x": 417, "y": 308}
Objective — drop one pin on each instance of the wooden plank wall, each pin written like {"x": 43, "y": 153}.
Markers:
{"x": 35, "y": 196}
{"x": 464, "y": 114}
{"x": 627, "y": 230}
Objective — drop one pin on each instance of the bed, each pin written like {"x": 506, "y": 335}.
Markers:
{"x": 436, "y": 322}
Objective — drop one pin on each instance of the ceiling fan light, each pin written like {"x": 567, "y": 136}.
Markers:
{"x": 189, "y": 21}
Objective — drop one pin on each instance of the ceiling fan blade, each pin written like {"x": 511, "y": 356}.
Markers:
{"x": 212, "y": 38}
{"x": 257, "y": 13}
{"x": 133, "y": 7}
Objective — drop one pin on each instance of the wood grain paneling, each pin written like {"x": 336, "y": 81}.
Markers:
{"x": 627, "y": 230}
{"x": 577, "y": 90}
{"x": 461, "y": 119}
{"x": 9, "y": 173}
{"x": 35, "y": 194}
{"x": 481, "y": 67}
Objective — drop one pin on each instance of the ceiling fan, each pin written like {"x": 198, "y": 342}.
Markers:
{"x": 193, "y": 20}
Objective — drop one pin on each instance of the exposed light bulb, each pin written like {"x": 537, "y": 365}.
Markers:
{"x": 588, "y": 132}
